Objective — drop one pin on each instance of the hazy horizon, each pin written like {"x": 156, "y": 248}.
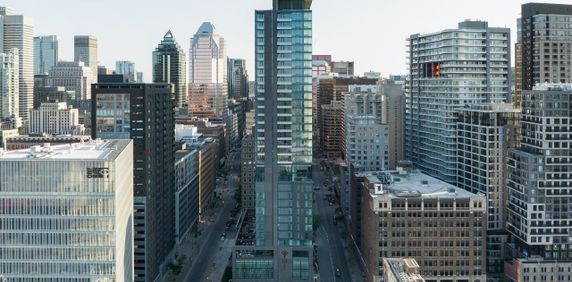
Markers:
{"x": 370, "y": 32}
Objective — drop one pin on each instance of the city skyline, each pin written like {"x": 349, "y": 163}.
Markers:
{"x": 374, "y": 18}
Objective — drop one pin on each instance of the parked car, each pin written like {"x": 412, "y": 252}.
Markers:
{"x": 338, "y": 272}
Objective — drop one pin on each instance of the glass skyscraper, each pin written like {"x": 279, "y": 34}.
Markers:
{"x": 46, "y": 53}
{"x": 283, "y": 134}
{"x": 169, "y": 66}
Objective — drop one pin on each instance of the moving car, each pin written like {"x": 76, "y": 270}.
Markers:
{"x": 338, "y": 272}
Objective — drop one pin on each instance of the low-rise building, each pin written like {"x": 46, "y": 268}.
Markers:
{"x": 401, "y": 270}
{"x": 19, "y": 142}
{"x": 538, "y": 269}
{"x": 409, "y": 214}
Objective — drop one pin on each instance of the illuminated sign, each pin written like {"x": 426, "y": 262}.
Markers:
{"x": 98, "y": 172}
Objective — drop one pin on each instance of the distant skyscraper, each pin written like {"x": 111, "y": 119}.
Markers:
{"x": 140, "y": 78}
{"x": 9, "y": 85}
{"x": 283, "y": 146}
{"x": 68, "y": 209}
{"x": 17, "y": 32}
{"x": 46, "y": 53}
{"x": 208, "y": 72}
{"x": 545, "y": 38}
{"x": 540, "y": 170}
{"x": 144, "y": 113}
{"x": 127, "y": 69}
{"x": 438, "y": 88}
{"x": 169, "y": 67}
{"x": 85, "y": 50}
{"x": 237, "y": 78}
{"x": 74, "y": 76}
{"x": 343, "y": 68}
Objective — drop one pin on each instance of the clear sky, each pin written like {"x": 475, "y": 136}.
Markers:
{"x": 370, "y": 32}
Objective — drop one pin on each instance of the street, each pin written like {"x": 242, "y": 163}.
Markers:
{"x": 331, "y": 254}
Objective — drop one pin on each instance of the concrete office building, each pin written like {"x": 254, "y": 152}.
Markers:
{"x": 410, "y": 214}
{"x": 237, "y": 78}
{"x": 208, "y": 72}
{"x": 74, "y": 76}
{"x": 169, "y": 66}
{"x": 283, "y": 136}
{"x": 544, "y": 44}
{"x": 331, "y": 88}
{"x": 332, "y": 135}
{"x": 208, "y": 130}
{"x": 67, "y": 212}
{"x": 207, "y": 165}
{"x": 56, "y": 119}
{"x": 46, "y": 53}
{"x": 144, "y": 113}
{"x": 401, "y": 270}
{"x": 366, "y": 137}
{"x": 85, "y": 50}
{"x": 5, "y": 134}
{"x": 448, "y": 70}
{"x": 394, "y": 111}
{"x": 539, "y": 175}
{"x": 321, "y": 64}
{"x": 343, "y": 68}
{"x": 486, "y": 133}
{"x": 247, "y": 172}
{"x": 127, "y": 69}
{"x": 17, "y": 32}
{"x": 9, "y": 85}
{"x": 186, "y": 192}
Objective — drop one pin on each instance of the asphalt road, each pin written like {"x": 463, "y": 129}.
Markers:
{"x": 330, "y": 246}
{"x": 201, "y": 269}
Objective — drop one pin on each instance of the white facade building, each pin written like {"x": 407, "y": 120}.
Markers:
{"x": 56, "y": 119}
{"x": 46, "y": 53}
{"x": 67, "y": 212}
{"x": 74, "y": 76}
{"x": 17, "y": 32}
{"x": 9, "y": 85}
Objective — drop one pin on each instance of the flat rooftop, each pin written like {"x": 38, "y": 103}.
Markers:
{"x": 92, "y": 150}
{"x": 404, "y": 269}
{"x": 412, "y": 184}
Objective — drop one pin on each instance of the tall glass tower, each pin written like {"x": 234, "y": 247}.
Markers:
{"x": 284, "y": 136}
{"x": 169, "y": 66}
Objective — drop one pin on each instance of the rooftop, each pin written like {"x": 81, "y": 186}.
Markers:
{"x": 411, "y": 184}
{"x": 404, "y": 269}
{"x": 246, "y": 234}
{"x": 553, "y": 87}
{"x": 92, "y": 150}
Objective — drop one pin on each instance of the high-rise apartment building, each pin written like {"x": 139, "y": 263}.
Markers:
{"x": 208, "y": 72}
{"x": 545, "y": 40}
{"x": 321, "y": 65}
{"x": 55, "y": 118}
{"x": 46, "y": 53}
{"x": 127, "y": 69}
{"x": 17, "y": 32}
{"x": 74, "y": 76}
{"x": 392, "y": 92}
{"x": 247, "y": 172}
{"x": 539, "y": 175}
{"x": 486, "y": 133}
{"x": 448, "y": 70}
{"x": 169, "y": 66}
{"x": 66, "y": 212}
{"x": 9, "y": 85}
{"x": 283, "y": 138}
{"x": 85, "y": 50}
{"x": 144, "y": 113}
{"x": 409, "y": 214}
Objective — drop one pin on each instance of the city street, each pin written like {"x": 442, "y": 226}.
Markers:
{"x": 331, "y": 254}
{"x": 210, "y": 261}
